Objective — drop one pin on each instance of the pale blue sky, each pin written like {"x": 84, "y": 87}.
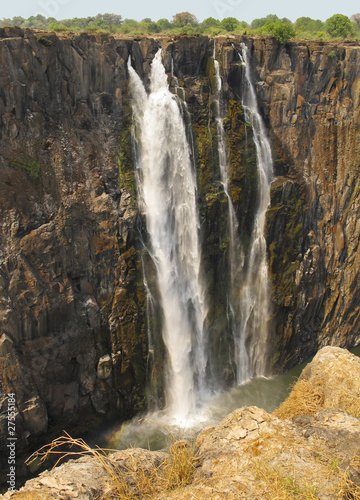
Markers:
{"x": 245, "y": 10}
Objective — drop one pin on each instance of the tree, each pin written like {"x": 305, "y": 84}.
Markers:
{"x": 149, "y": 26}
{"x": 6, "y": 22}
{"x": 129, "y": 26}
{"x": 229, "y": 23}
{"x": 339, "y": 25}
{"x": 163, "y": 24}
{"x": 258, "y": 23}
{"x": 111, "y": 19}
{"x": 210, "y": 22}
{"x": 282, "y": 32}
{"x": 308, "y": 24}
{"x": 38, "y": 21}
{"x": 183, "y": 18}
{"x": 18, "y": 20}
{"x": 355, "y": 19}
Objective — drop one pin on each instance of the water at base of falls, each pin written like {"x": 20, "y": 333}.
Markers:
{"x": 153, "y": 430}
{"x": 167, "y": 192}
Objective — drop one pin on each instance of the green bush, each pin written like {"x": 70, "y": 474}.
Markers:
{"x": 229, "y": 23}
{"x": 307, "y": 24}
{"x": 57, "y": 27}
{"x": 258, "y": 23}
{"x": 31, "y": 166}
{"x": 339, "y": 26}
{"x": 44, "y": 41}
{"x": 208, "y": 23}
{"x": 163, "y": 24}
{"x": 281, "y": 31}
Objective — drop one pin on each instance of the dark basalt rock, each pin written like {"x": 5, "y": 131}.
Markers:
{"x": 70, "y": 274}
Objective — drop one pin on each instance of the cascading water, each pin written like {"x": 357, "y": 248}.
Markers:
{"x": 167, "y": 192}
{"x": 255, "y": 298}
{"x": 235, "y": 254}
{"x": 167, "y": 197}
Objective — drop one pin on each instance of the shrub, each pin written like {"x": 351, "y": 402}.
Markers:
{"x": 44, "y": 41}
{"x": 55, "y": 26}
{"x": 31, "y": 166}
{"x": 281, "y": 31}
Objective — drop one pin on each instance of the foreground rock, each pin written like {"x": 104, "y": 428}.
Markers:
{"x": 250, "y": 454}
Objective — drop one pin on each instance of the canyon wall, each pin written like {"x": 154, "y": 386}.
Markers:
{"x": 73, "y": 328}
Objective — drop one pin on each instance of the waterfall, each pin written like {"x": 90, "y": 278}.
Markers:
{"x": 255, "y": 297}
{"x": 167, "y": 192}
{"x": 235, "y": 253}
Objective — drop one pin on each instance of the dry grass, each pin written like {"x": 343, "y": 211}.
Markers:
{"x": 350, "y": 402}
{"x": 346, "y": 488}
{"x": 32, "y": 495}
{"x": 131, "y": 479}
{"x": 306, "y": 398}
{"x": 281, "y": 486}
{"x": 349, "y": 490}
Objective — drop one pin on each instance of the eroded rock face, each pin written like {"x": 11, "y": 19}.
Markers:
{"x": 309, "y": 94}
{"x": 72, "y": 308}
{"x": 72, "y": 304}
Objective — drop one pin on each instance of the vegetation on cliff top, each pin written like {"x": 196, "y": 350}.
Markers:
{"x": 337, "y": 26}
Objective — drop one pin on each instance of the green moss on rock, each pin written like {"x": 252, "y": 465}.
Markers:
{"x": 125, "y": 158}
{"x": 28, "y": 164}
{"x": 284, "y": 228}
{"x": 243, "y": 173}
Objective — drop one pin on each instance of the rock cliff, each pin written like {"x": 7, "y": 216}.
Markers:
{"x": 73, "y": 340}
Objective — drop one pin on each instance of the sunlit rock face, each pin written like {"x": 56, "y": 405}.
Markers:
{"x": 73, "y": 342}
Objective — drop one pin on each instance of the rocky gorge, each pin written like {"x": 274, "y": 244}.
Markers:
{"x": 73, "y": 345}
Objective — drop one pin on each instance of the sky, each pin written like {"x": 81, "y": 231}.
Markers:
{"x": 243, "y": 10}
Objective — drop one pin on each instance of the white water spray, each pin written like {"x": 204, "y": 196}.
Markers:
{"x": 255, "y": 297}
{"x": 167, "y": 191}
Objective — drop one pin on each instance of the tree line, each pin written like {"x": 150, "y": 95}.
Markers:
{"x": 337, "y": 26}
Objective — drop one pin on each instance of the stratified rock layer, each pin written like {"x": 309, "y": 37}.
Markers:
{"x": 73, "y": 341}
